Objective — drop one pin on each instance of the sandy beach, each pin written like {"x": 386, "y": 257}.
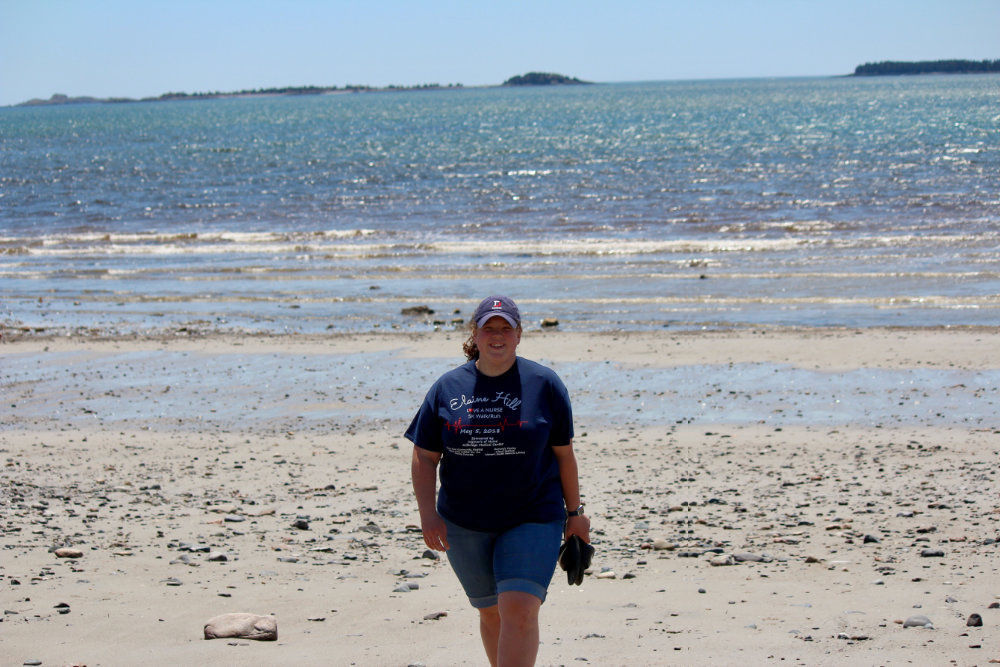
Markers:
{"x": 757, "y": 497}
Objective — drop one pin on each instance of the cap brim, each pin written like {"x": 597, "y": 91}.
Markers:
{"x": 488, "y": 316}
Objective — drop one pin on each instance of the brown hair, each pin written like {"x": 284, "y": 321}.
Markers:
{"x": 469, "y": 347}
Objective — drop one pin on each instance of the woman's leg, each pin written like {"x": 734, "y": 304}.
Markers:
{"x": 518, "y": 642}
{"x": 489, "y": 630}
{"x": 524, "y": 560}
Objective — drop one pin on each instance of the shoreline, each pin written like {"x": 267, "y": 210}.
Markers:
{"x": 974, "y": 340}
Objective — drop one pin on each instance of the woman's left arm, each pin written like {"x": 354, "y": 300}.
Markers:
{"x": 569, "y": 475}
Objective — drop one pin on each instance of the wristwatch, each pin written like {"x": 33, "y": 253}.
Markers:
{"x": 577, "y": 512}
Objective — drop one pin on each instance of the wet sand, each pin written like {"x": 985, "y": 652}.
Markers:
{"x": 843, "y": 481}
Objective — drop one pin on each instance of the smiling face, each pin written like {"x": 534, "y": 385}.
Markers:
{"x": 497, "y": 341}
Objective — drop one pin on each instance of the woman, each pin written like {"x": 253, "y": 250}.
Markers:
{"x": 501, "y": 428}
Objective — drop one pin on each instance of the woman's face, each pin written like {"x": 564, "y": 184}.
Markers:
{"x": 497, "y": 341}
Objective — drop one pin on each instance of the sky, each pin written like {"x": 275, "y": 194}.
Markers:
{"x": 144, "y": 48}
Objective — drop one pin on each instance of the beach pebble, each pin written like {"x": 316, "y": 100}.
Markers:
{"x": 975, "y": 621}
{"x": 918, "y": 622}
{"x": 430, "y": 554}
{"x": 242, "y": 626}
{"x": 871, "y": 539}
{"x": 437, "y": 615}
{"x": 932, "y": 553}
{"x": 722, "y": 560}
{"x": 663, "y": 545}
{"x": 218, "y": 557}
{"x": 173, "y": 581}
{"x": 67, "y": 552}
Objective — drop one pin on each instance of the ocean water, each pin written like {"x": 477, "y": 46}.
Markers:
{"x": 679, "y": 205}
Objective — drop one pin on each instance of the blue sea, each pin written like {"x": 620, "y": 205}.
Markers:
{"x": 734, "y": 204}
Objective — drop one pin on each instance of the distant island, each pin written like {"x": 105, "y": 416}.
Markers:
{"x": 529, "y": 79}
{"x": 542, "y": 79}
{"x": 890, "y": 67}
{"x": 262, "y": 92}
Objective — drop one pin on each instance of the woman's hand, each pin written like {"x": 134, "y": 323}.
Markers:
{"x": 435, "y": 532}
{"x": 578, "y": 525}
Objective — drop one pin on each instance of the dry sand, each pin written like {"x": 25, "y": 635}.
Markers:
{"x": 200, "y": 476}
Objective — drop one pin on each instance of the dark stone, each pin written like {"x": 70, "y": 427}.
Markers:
{"x": 417, "y": 311}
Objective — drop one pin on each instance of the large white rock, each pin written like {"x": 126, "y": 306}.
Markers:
{"x": 242, "y": 626}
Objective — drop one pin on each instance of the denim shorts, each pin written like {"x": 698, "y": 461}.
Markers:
{"x": 520, "y": 559}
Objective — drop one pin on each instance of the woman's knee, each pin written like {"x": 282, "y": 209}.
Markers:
{"x": 518, "y": 607}
{"x": 488, "y": 614}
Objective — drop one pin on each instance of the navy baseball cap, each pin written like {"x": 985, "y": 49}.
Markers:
{"x": 498, "y": 306}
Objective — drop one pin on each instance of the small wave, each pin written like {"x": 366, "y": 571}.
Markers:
{"x": 365, "y": 243}
{"x": 169, "y": 243}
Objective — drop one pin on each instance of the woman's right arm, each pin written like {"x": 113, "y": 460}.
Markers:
{"x": 423, "y": 469}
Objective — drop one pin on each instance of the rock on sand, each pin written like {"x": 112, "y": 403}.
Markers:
{"x": 242, "y": 626}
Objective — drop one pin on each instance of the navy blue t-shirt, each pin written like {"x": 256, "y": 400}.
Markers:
{"x": 496, "y": 436}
